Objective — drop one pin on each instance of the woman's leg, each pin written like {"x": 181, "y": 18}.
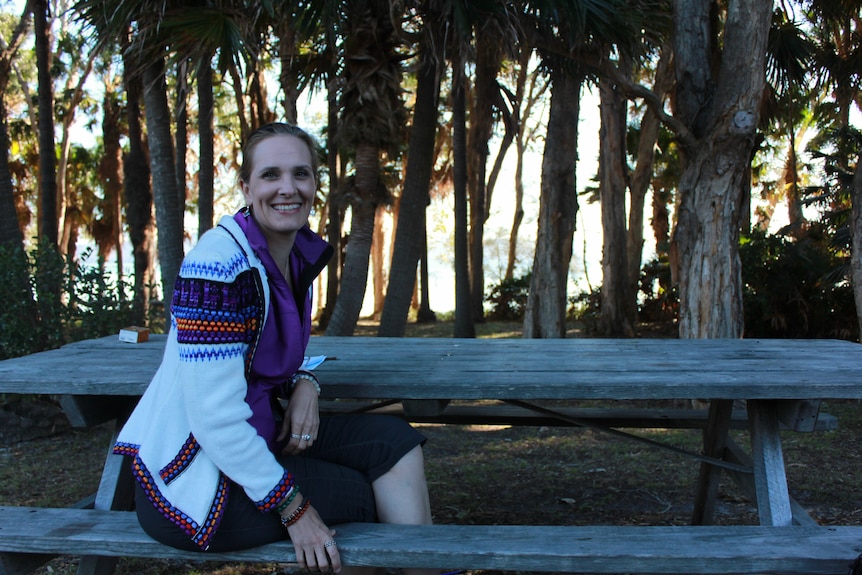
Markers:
{"x": 402, "y": 496}
{"x": 402, "y": 493}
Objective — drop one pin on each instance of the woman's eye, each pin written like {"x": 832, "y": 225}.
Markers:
{"x": 269, "y": 174}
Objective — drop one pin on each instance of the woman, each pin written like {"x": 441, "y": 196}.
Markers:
{"x": 219, "y": 465}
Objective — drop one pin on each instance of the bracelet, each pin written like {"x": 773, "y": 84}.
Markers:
{"x": 297, "y": 513}
{"x": 307, "y": 376}
{"x": 284, "y": 504}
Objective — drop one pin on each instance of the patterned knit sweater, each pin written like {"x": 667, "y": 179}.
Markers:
{"x": 190, "y": 431}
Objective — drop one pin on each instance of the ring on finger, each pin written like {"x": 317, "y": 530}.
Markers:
{"x": 306, "y": 437}
{"x": 330, "y": 543}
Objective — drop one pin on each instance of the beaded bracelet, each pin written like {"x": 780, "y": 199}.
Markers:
{"x": 297, "y": 513}
{"x": 306, "y": 375}
{"x": 284, "y": 504}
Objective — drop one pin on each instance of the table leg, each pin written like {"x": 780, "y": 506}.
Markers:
{"x": 770, "y": 480}
{"x": 714, "y": 445}
{"x": 116, "y": 492}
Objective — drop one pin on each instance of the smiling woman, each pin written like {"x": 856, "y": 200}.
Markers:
{"x": 221, "y": 462}
{"x": 279, "y": 189}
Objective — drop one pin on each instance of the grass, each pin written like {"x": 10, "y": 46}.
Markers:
{"x": 499, "y": 475}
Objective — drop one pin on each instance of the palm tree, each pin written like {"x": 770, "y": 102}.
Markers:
{"x": 10, "y": 231}
{"x": 571, "y": 38}
{"x": 410, "y": 236}
{"x": 48, "y": 218}
{"x": 372, "y": 119}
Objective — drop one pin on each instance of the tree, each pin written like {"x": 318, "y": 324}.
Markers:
{"x": 169, "y": 217}
{"x": 48, "y": 217}
{"x": 545, "y": 314}
{"x": 410, "y": 237}
{"x": 617, "y": 318}
{"x": 137, "y": 194}
{"x": 718, "y": 96}
{"x": 464, "y": 326}
{"x": 10, "y": 231}
{"x": 372, "y": 117}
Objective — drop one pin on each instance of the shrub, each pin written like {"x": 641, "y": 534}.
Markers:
{"x": 48, "y": 301}
{"x": 508, "y": 298}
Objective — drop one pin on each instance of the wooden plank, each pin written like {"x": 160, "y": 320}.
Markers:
{"x": 596, "y": 549}
{"x": 714, "y": 442}
{"x": 504, "y": 414}
{"x": 746, "y": 482}
{"x": 448, "y": 368}
{"x": 773, "y": 499}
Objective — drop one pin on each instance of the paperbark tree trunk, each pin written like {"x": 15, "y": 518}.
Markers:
{"x": 721, "y": 109}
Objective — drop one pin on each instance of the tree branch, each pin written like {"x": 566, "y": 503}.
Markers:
{"x": 651, "y": 99}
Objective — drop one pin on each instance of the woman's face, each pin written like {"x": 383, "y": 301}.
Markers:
{"x": 281, "y": 188}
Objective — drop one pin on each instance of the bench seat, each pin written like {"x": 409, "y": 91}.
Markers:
{"x": 593, "y": 549}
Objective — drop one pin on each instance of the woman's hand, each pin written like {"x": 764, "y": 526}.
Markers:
{"x": 314, "y": 543}
{"x": 301, "y": 418}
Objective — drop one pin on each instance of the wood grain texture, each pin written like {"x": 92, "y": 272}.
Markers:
{"x": 599, "y": 549}
{"x": 448, "y": 368}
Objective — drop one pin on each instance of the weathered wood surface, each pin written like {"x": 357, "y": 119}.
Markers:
{"x": 597, "y": 549}
{"x": 448, "y": 368}
{"x": 491, "y": 413}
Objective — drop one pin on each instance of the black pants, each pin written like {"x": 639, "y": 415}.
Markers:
{"x": 351, "y": 451}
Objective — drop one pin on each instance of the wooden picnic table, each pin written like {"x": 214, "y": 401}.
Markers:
{"x": 781, "y": 382}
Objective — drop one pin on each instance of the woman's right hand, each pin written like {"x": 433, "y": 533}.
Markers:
{"x": 314, "y": 543}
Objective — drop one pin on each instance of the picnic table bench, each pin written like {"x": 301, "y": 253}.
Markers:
{"x": 780, "y": 381}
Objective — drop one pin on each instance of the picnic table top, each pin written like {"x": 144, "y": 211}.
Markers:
{"x": 449, "y": 368}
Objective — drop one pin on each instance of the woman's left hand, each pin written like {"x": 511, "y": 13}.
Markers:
{"x": 301, "y": 419}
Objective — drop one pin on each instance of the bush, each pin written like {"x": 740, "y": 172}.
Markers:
{"x": 48, "y": 302}
{"x": 795, "y": 288}
{"x": 508, "y": 299}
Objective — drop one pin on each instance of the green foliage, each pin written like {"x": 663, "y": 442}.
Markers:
{"x": 586, "y": 307}
{"x": 659, "y": 301}
{"x": 49, "y": 301}
{"x": 791, "y": 288}
{"x": 508, "y": 298}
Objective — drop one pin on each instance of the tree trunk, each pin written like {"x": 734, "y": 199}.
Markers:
{"x": 48, "y": 215}
{"x": 335, "y": 211}
{"x": 856, "y": 257}
{"x": 424, "y": 314}
{"x": 288, "y": 73}
{"x": 169, "y": 219}
{"x": 10, "y": 229}
{"x": 65, "y": 194}
{"x": 642, "y": 177}
{"x": 481, "y": 127}
{"x": 716, "y": 171}
{"x": 138, "y": 196}
{"x": 378, "y": 276}
{"x": 111, "y": 174}
{"x": 354, "y": 277}
{"x": 206, "y": 141}
{"x": 181, "y": 137}
{"x": 464, "y": 326}
{"x": 545, "y": 314}
{"x": 615, "y": 319}
{"x": 410, "y": 237}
